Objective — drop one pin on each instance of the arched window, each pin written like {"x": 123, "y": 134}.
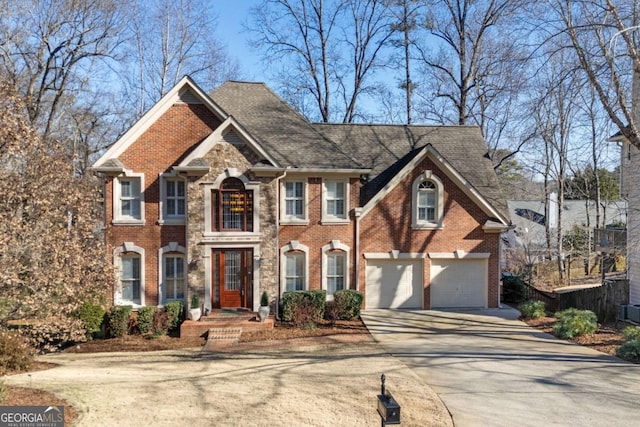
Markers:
{"x": 335, "y": 267}
{"x": 233, "y": 206}
{"x": 427, "y": 201}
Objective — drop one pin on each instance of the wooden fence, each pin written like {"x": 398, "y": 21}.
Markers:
{"x": 602, "y": 300}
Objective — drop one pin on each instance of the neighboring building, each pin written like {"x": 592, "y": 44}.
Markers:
{"x": 234, "y": 193}
{"x": 629, "y": 190}
{"x": 530, "y": 219}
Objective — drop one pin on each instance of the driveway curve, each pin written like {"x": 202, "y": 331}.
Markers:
{"x": 272, "y": 385}
{"x": 493, "y": 370}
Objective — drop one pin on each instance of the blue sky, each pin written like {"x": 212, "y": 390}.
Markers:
{"x": 231, "y": 16}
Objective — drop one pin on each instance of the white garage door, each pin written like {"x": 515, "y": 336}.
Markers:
{"x": 458, "y": 283}
{"x": 394, "y": 283}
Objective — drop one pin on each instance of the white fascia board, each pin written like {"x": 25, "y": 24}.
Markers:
{"x": 448, "y": 169}
{"x": 154, "y": 114}
{"x": 216, "y": 136}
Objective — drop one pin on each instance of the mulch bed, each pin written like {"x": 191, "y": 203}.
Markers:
{"x": 606, "y": 339}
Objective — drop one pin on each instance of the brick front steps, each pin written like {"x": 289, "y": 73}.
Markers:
{"x": 220, "y": 319}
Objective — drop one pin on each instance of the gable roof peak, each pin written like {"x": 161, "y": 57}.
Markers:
{"x": 159, "y": 108}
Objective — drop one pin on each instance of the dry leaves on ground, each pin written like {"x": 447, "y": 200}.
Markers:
{"x": 606, "y": 339}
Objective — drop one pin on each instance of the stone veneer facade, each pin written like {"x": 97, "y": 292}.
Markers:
{"x": 225, "y": 160}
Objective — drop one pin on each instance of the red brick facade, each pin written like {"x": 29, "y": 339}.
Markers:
{"x": 161, "y": 146}
{"x": 385, "y": 227}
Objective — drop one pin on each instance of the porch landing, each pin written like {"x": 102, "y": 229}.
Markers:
{"x": 247, "y": 321}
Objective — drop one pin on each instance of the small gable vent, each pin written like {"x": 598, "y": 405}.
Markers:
{"x": 233, "y": 138}
{"x": 188, "y": 97}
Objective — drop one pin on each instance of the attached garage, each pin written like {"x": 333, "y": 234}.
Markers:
{"x": 394, "y": 283}
{"x": 459, "y": 283}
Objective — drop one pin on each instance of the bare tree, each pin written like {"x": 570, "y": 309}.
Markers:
{"x": 48, "y": 48}
{"x": 474, "y": 69}
{"x": 170, "y": 39}
{"x": 603, "y": 35}
{"x": 555, "y": 114}
{"x": 326, "y": 50}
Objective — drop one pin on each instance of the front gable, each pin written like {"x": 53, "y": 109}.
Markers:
{"x": 447, "y": 170}
{"x": 185, "y": 95}
{"x": 230, "y": 134}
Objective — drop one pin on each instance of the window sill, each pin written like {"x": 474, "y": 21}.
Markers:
{"x": 291, "y": 221}
{"x": 128, "y": 222}
{"x": 427, "y": 226}
{"x": 171, "y": 221}
{"x": 335, "y": 221}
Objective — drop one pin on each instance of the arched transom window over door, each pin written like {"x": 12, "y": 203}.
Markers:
{"x": 233, "y": 206}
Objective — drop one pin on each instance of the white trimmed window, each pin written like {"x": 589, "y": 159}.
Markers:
{"x": 131, "y": 278}
{"x": 294, "y": 267}
{"x": 294, "y": 201}
{"x": 335, "y": 272}
{"x": 173, "y": 196}
{"x": 335, "y": 267}
{"x": 427, "y": 201}
{"x": 129, "y": 263}
{"x": 294, "y": 271}
{"x": 335, "y": 198}
{"x": 128, "y": 202}
{"x": 174, "y": 281}
{"x": 229, "y": 206}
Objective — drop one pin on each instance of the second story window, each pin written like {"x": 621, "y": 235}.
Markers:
{"x": 335, "y": 201}
{"x": 427, "y": 202}
{"x": 294, "y": 199}
{"x": 128, "y": 204}
{"x": 233, "y": 207}
{"x": 174, "y": 198}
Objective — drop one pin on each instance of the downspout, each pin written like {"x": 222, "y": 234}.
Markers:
{"x": 357, "y": 213}
{"x": 277, "y": 251}
{"x": 500, "y": 258}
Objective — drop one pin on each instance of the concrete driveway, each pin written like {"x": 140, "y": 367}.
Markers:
{"x": 493, "y": 370}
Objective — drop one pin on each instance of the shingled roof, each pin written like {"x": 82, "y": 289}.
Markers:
{"x": 385, "y": 149}
{"x": 280, "y": 129}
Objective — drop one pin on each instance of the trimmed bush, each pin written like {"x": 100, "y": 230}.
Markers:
{"x": 145, "y": 318}
{"x": 574, "y": 323}
{"x": 264, "y": 299}
{"x": 629, "y": 350}
{"x": 631, "y": 333}
{"x": 119, "y": 320}
{"x": 304, "y": 315}
{"x": 312, "y": 301}
{"x": 160, "y": 324}
{"x": 15, "y": 352}
{"x": 348, "y": 303}
{"x": 331, "y": 311}
{"x": 92, "y": 317}
{"x": 175, "y": 310}
{"x": 532, "y": 309}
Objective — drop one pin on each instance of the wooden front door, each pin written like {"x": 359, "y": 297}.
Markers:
{"x": 232, "y": 278}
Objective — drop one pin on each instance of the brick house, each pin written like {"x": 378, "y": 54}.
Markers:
{"x": 233, "y": 193}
